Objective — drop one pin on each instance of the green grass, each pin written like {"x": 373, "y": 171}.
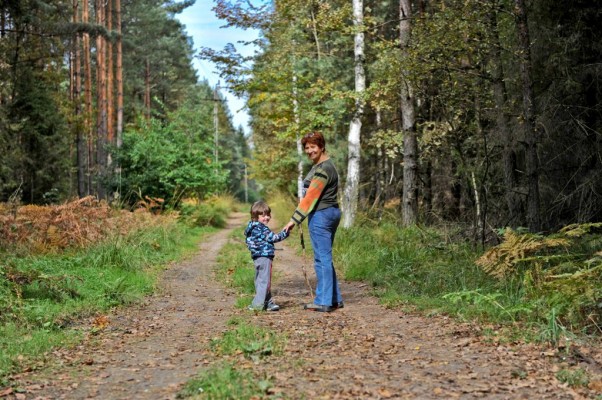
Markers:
{"x": 420, "y": 268}
{"x": 235, "y": 268}
{"x": 46, "y": 296}
{"x": 252, "y": 341}
{"x": 225, "y": 382}
{"x": 407, "y": 265}
{"x": 573, "y": 377}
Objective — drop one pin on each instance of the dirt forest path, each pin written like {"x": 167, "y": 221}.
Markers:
{"x": 362, "y": 351}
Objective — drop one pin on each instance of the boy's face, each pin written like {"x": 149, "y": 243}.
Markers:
{"x": 264, "y": 219}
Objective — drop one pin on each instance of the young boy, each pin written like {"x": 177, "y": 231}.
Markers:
{"x": 260, "y": 240}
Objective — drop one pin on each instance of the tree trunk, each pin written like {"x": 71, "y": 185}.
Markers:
{"x": 502, "y": 126}
{"x": 88, "y": 98}
{"x": 119, "y": 76}
{"x": 350, "y": 198}
{"x": 315, "y": 33}
{"x": 101, "y": 102}
{"x": 80, "y": 139}
{"x": 298, "y": 137}
{"x": 379, "y": 175}
{"x": 110, "y": 80}
{"x": 428, "y": 190}
{"x": 528, "y": 120}
{"x": 297, "y": 119}
{"x": 410, "y": 140}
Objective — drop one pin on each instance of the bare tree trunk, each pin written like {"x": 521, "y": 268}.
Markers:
{"x": 110, "y": 80}
{"x": 350, "y": 198}
{"x": 119, "y": 75}
{"x": 410, "y": 140}
{"x": 315, "y": 32}
{"x": 80, "y": 140}
{"x": 101, "y": 102}
{"x": 502, "y": 125}
{"x": 88, "y": 98}
{"x": 298, "y": 137}
{"x": 379, "y": 176}
{"x": 428, "y": 189}
{"x": 2, "y": 35}
{"x": 297, "y": 119}
{"x": 528, "y": 120}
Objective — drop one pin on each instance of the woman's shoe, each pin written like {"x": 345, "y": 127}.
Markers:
{"x": 319, "y": 308}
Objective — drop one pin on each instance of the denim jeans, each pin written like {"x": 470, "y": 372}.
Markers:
{"x": 322, "y": 228}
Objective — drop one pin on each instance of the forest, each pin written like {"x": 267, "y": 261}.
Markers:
{"x": 479, "y": 113}
{"x": 467, "y": 135}
{"x": 90, "y": 106}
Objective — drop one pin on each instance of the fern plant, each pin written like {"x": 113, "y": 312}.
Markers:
{"x": 561, "y": 272}
{"x": 506, "y": 259}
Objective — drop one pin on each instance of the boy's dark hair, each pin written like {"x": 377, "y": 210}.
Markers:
{"x": 314, "y": 138}
{"x": 260, "y": 208}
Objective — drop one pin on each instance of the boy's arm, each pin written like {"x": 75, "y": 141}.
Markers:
{"x": 275, "y": 237}
{"x": 307, "y": 203}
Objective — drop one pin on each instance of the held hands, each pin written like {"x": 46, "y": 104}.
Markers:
{"x": 289, "y": 227}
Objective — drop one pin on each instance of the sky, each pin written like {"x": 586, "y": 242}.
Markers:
{"x": 204, "y": 28}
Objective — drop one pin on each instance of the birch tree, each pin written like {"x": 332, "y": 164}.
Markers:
{"x": 350, "y": 198}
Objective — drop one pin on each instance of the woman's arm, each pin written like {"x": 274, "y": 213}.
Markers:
{"x": 308, "y": 203}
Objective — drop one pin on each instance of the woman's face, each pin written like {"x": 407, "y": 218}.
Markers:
{"x": 314, "y": 152}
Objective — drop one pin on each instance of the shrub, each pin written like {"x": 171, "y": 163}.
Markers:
{"x": 211, "y": 212}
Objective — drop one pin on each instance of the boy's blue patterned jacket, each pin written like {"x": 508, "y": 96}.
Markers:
{"x": 260, "y": 239}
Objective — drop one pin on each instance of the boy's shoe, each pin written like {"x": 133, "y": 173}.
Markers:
{"x": 254, "y": 308}
{"x": 272, "y": 307}
{"x": 339, "y": 305}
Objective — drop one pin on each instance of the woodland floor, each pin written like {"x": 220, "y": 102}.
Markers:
{"x": 363, "y": 351}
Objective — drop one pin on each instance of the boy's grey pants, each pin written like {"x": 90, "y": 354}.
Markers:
{"x": 263, "y": 282}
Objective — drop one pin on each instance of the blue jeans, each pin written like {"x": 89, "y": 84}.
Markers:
{"x": 322, "y": 228}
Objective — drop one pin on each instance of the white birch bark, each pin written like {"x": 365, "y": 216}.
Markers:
{"x": 298, "y": 138}
{"x": 350, "y": 197}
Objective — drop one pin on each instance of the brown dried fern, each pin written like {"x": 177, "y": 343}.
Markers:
{"x": 503, "y": 260}
{"x": 43, "y": 229}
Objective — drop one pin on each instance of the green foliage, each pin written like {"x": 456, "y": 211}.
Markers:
{"x": 168, "y": 58}
{"x": 170, "y": 160}
{"x": 225, "y": 381}
{"x": 211, "y": 212}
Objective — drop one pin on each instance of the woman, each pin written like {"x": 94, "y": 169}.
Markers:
{"x": 319, "y": 204}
